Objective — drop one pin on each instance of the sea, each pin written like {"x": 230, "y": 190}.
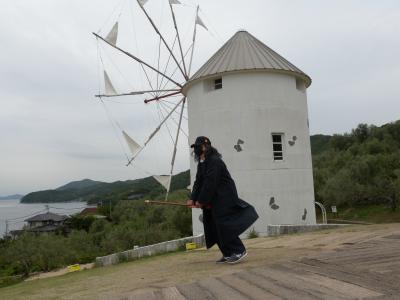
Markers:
{"x": 16, "y": 212}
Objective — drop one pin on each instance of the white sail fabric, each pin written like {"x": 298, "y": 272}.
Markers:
{"x": 133, "y": 146}
{"x": 164, "y": 180}
{"x": 142, "y": 2}
{"x": 109, "y": 88}
{"x": 174, "y": 2}
{"x": 200, "y": 22}
{"x": 113, "y": 35}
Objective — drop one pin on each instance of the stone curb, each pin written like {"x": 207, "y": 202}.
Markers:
{"x": 150, "y": 250}
{"x": 275, "y": 230}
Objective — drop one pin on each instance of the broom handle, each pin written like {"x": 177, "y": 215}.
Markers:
{"x": 165, "y": 203}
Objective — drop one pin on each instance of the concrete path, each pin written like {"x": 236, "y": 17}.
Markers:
{"x": 365, "y": 269}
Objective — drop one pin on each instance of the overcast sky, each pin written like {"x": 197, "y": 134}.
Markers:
{"x": 52, "y": 129}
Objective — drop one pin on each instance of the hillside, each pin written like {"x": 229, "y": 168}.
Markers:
{"x": 95, "y": 191}
{"x": 360, "y": 168}
{"x": 319, "y": 143}
{"x": 81, "y": 184}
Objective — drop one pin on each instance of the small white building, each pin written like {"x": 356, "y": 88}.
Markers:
{"x": 252, "y": 103}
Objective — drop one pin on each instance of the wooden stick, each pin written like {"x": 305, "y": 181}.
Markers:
{"x": 165, "y": 203}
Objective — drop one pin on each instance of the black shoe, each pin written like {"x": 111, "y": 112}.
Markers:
{"x": 235, "y": 258}
{"x": 222, "y": 260}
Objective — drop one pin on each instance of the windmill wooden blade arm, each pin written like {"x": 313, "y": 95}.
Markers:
{"x": 193, "y": 41}
{"x": 179, "y": 40}
{"x": 161, "y": 97}
{"x": 156, "y": 130}
{"x": 163, "y": 40}
{"x": 137, "y": 59}
{"x": 175, "y": 146}
{"x": 137, "y": 93}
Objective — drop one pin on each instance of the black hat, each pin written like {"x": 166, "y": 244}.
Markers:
{"x": 201, "y": 140}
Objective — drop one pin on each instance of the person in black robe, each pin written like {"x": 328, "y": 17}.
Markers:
{"x": 225, "y": 215}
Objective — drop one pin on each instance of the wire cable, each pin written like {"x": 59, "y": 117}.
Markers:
{"x": 72, "y": 208}
{"x": 114, "y": 129}
{"x": 27, "y": 216}
{"x": 164, "y": 102}
{"x": 166, "y": 125}
{"x": 110, "y": 15}
{"x": 176, "y": 123}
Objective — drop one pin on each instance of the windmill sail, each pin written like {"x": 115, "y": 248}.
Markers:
{"x": 142, "y": 2}
{"x": 110, "y": 90}
{"x": 133, "y": 146}
{"x": 164, "y": 180}
{"x": 174, "y": 2}
{"x": 200, "y": 22}
{"x": 113, "y": 35}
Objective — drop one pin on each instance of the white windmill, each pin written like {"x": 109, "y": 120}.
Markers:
{"x": 252, "y": 103}
{"x": 165, "y": 80}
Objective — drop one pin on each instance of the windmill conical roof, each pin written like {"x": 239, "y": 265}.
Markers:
{"x": 245, "y": 52}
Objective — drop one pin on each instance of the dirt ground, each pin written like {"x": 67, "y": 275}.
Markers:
{"x": 167, "y": 270}
{"x": 57, "y": 273}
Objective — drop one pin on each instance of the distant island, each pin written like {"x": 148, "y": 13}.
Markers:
{"x": 92, "y": 192}
{"x": 11, "y": 197}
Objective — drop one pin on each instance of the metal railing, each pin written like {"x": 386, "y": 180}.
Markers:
{"x": 324, "y": 218}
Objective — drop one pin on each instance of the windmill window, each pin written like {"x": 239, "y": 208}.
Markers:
{"x": 277, "y": 146}
{"x": 218, "y": 83}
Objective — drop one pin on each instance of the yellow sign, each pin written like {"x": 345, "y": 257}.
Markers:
{"x": 74, "y": 268}
{"x": 191, "y": 246}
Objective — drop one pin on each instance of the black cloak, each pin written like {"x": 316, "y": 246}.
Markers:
{"x": 228, "y": 216}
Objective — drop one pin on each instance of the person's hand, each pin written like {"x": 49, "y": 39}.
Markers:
{"x": 190, "y": 203}
{"x": 198, "y": 205}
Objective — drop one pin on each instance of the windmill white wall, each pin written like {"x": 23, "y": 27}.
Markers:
{"x": 251, "y": 106}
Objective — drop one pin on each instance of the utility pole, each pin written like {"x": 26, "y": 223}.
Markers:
{"x": 6, "y": 228}
{"x": 110, "y": 209}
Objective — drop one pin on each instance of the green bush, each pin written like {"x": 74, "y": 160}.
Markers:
{"x": 360, "y": 168}
{"x": 252, "y": 234}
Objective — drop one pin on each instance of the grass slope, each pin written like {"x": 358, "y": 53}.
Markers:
{"x": 369, "y": 213}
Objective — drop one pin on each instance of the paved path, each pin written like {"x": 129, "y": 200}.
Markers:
{"x": 366, "y": 269}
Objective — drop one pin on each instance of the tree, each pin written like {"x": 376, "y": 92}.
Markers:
{"x": 22, "y": 253}
{"x": 361, "y": 133}
{"x": 361, "y": 168}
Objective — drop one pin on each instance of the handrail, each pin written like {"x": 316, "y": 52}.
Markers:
{"x": 324, "y": 219}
